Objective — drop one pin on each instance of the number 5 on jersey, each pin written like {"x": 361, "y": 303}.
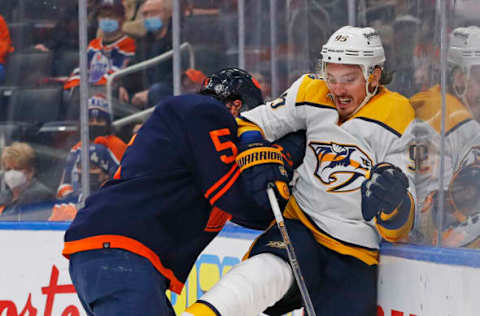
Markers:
{"x": 225, "y": 145}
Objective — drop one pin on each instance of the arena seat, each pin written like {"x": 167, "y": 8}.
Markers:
{"x": 26, "y": 69}
{"x": 35, "y": 105}
{"x": 65, "y": 63}
{"x": 21, "y": 34}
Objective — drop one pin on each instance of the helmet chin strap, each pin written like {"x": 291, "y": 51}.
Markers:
{"x": 368, "y": 96}
{"x": 462, "y": 94}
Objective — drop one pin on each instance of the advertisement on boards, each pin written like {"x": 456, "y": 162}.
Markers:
{"x": 35, "y": 281}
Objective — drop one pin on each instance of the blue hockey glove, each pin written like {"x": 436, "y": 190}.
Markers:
{"x": 384, "y": 191}
{"x": 261, "y": 164}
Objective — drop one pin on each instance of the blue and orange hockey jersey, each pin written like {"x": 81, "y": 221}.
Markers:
{"x": 104, "y": 59}
{"x": 70, "y": 182}
{"x": 177, "y": 186}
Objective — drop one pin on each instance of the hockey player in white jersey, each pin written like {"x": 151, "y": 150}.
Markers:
{"x": 354, "y": 188}
{"x": 459, "y": 217}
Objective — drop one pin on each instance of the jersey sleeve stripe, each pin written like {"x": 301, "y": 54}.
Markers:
{"x": 217, "y": 184}
{"x": 122, "y": 242}
{"x": 457, "y": 126}
{"x": 225, "y": 188}
{"x": 388, "y": 128}
{"x": 317, "y": 105}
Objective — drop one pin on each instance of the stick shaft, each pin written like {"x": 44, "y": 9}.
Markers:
{"x": 292, "y": 257}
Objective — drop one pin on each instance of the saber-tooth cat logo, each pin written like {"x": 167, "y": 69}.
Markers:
{"x": 342, "y": 168}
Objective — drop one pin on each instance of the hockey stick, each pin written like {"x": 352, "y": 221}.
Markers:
{"x": 290, "y": 251}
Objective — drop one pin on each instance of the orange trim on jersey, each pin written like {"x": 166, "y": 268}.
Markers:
{"x": 225, "y": 188}
{"x": 129, "y": 244}
{"x": 2, "y": 208}
{"x": 220, "y": 182}
{"x": 71, "y": 84}
{"x": 217, "y": 220}
{"x": 116, "y": 146}
{"x": 64, "y": 190}
{"x": 132, "y": 140}
{"x": 117, "y": 175}
{"x": 76, "y": 146}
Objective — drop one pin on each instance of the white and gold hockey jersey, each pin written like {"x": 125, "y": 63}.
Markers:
{"x": 338, "y": 158}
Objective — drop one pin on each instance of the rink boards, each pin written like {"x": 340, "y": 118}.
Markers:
{"x": 413, "y": 280}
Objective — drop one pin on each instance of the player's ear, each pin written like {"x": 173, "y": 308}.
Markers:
{"x": 234, "y": 107}
{"x": 375, "y": 78}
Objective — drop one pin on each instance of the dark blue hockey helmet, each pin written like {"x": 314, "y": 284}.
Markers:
{"x": 231, "y": 84}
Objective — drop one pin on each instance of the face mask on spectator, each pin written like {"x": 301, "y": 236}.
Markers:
{"x": 96, "y": 130}
{"x": 153, "y": 23}
{"x": 14, "y": 178}
{"x": 108, "y": 25}
{"x": 94, "y": 182}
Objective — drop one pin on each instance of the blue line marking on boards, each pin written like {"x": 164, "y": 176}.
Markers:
{"x": 451, "y": 256}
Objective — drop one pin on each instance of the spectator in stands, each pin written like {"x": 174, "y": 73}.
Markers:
{"x": 192, "y": 80}
{"x": 109, "y": 53}
{"x": 133, "y": 25}
{"x": 21, "y": 188}
{"x": 102, "y": 167}
{"x": 100, "y": 132}
{"x": 64, "y": 35}
{"x": 157, "y": 81}
{"x": 5, "y": 47}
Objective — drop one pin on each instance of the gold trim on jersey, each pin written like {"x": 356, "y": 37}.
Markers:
{"x": 293, "y": 211}
{"x": 428, "y": 107}
{"x": 247, "y": 126}
{"x": 390, "y": 109}
{"x": 313, "y": 91}
{"x": 200, "y": 309}
{"x": 398, "y": 234}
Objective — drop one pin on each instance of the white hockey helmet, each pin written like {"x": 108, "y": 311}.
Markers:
{"x": 354, "y": 46}
{"x": 464, "y": 49}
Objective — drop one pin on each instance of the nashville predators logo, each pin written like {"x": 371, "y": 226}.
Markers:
{"x": 342, "y": 168}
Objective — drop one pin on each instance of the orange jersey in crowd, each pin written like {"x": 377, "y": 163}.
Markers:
{"x": 5, "y": 42}
{"x": 104, "y": 59}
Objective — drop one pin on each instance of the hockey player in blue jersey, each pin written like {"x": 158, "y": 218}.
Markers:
{"x": 176, "y": 187}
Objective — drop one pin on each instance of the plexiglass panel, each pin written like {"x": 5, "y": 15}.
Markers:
{"x": 130, "y": 69}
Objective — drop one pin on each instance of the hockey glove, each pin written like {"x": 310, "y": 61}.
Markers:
{"x": 261, "y": 164}
{"x": 292, "y": 147}
{"x": 384, "y": 191}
